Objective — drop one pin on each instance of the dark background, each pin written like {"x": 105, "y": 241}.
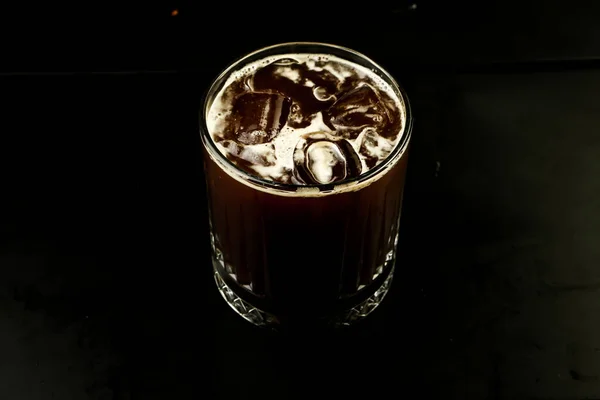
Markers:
{"x": 105, "y": 282}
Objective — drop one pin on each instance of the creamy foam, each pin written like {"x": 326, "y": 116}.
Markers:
{"x": 312, "y": 145}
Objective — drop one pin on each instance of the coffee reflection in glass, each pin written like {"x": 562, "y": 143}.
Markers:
{"x": 305, "y": 155}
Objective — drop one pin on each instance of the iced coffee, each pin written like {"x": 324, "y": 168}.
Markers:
{"x": 305, "y": 157}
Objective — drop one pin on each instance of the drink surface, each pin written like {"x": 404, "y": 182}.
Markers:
{"x": 306, "y": 119}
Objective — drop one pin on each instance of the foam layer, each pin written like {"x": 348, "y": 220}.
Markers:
{"x": 350, "y": 123}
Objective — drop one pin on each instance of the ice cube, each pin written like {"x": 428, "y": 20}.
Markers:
{"x": 309, "y": 91}
{"x": 325, "y": 162}
{"x": 374, "y": 147}
{"x": 353, "y": 163}
{"x": 257, "y": 117}
{"x": 358, "y": 108}
{"x": 321, "y": 158}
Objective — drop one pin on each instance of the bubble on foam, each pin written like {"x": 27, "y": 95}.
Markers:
{"x": 285, "y": 61}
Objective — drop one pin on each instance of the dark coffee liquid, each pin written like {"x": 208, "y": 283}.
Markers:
{"x": 305, "y": 254}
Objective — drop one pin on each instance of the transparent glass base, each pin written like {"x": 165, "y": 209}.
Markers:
{"x": 341, "y": 319}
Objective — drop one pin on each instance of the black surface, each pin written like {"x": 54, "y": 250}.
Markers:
{"x": 106, "y": 290}
{"x": 424, "y": 34}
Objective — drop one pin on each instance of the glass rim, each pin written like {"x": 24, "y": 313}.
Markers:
{"x": 213, "y": 151}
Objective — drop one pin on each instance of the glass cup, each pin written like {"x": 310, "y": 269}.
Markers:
{"x": 304, "y": 255}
